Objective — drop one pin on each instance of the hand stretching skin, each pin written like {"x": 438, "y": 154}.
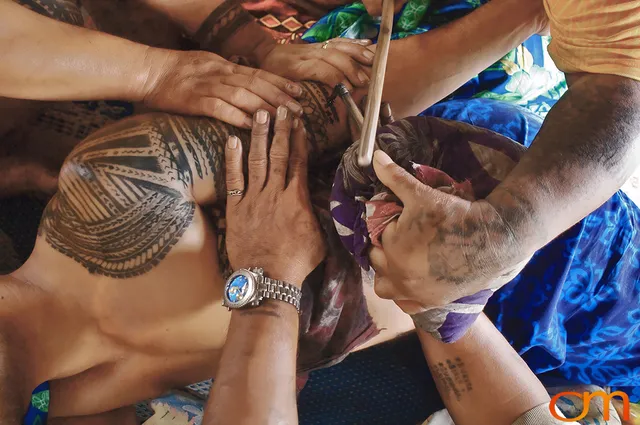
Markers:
{"x": 231, "y": 31}
{"x": 44, "y": 59}
{"x": 271, "y": 226}
{"x": 342, "y": 61}
{"x": 203, "y": 83}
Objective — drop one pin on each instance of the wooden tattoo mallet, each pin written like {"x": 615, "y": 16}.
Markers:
{"x": 374, "y": 97}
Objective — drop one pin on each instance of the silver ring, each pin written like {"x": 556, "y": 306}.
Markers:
{"x": 325, "y": 44}
{"x": 235, "y": 192}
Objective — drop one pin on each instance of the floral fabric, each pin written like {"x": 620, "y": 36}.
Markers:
{"x": 526, "y": 76}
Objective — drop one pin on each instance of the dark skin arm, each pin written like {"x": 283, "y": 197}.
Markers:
{"x": 482, "y": 380}
{"x": 587, "y": 148}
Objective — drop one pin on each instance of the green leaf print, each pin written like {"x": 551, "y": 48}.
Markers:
{"x": 41, "y": 401}
{"x": 412, "y": 14}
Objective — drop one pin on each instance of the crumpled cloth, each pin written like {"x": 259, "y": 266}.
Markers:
{"x": 454, "y": 157}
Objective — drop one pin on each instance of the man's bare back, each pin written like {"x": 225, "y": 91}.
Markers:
{"x": 121, "y": 297}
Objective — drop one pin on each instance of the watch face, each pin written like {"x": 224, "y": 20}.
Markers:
{"x": 239, "y": 289}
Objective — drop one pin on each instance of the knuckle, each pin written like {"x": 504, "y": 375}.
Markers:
{"x": 215, "y": 106}
{"x": 240, "y": 95}
{"x": 257, "y": 162}
{"x": 259, "y": 131}
{"x": 278, "y": 155}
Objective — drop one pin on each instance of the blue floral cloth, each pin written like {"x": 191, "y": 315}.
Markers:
{"x": 38, "y": 407}
{"x": 573, "y": 313}
{"x": 526, "y": 76}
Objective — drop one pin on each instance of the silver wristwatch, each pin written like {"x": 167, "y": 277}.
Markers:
{"x": 248, "y": 287}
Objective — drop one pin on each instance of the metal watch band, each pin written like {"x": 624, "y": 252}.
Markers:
{"x": 279, "y": 290}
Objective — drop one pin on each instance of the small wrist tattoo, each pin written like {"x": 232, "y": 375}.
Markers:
{"x": 452, "y": 377}
{"x": 223, "y": 22}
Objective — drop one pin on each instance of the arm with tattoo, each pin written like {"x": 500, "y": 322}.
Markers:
{"x": 587, "y": 148}
{"x": 481, "y": 379}
{"x": 129, "y": 191}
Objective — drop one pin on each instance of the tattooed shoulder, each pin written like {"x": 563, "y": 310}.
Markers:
{"x": 123, "y": 198}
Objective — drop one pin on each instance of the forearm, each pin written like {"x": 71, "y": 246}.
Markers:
{"x": 480, "y": 378}
{"x": 587, "y": 148}
{"x": 256, "y": 377}
{"x": 43, "y": 59}
{"x": 230, "y": 30}
{"x": 219, "y": 26}
{"x": 440, "y": 61}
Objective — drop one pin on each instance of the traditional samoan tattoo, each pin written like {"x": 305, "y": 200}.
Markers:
{"x": 124, "y": 200}
{"x": 318, "y": 114}
{"x": 124, "y": 195}
{"x": 223, "y": 22}
{"x": 452, "y": 377}
{"x": 61, "y": 10}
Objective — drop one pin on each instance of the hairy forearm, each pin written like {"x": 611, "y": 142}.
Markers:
{"x": 440, "y": 61}
{"x": 255, "y": 383}
{"x": 43, "y": 59}
{"x": 587, "y": 148}
{"x": 480, "y": 378}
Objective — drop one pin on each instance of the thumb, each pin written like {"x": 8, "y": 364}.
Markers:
{"x": 396, "y": 178}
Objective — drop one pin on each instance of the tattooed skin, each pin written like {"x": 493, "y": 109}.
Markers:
{"x": 61, "y": 10}
{"x": 586, "y": 149}
{"x": 452, "y": 378}
{"x": 124, "y": 196}
{"x": 223, "y": 23}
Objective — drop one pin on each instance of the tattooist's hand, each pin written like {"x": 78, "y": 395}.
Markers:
{"x": 203, "y": 83}
{"x": 336, "y": 61}
{"x": 272, "y": 224}
{"x": 441, "y": 248}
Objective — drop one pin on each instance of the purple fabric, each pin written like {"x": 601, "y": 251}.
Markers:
{"x": 464, "y": 152}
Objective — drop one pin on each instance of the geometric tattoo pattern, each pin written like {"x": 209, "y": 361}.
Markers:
{"x": 124, "y": 194}
{"x": 121, "y": 204}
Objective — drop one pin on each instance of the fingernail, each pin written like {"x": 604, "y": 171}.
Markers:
{"x": 368, "y": 54}
{"x": 365, "y": 42}
{"x": 364, "y": 78}
{"x": 232, "y": 142}
{"x": 295, "y": 108}
{"x": 296, "y": 123}
{"x": 381, "y": 158}
{"x": 281, "y": 113}
{"x": 262, "y": 116}
{"x": 295, "y": 89}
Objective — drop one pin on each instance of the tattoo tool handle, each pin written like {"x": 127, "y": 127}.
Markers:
{"x": 374, "y": 98}
{"x": 343, "y": 92}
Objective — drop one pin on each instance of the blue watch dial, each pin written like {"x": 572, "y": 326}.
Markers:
{"x": 237, "y": 289}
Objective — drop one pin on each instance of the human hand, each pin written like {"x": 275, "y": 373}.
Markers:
{"x": 374, "y": 7}
{"x": 272, "y": 225}
{"x": 442, "y": 247}
{"x": 339, "y": 60}
{"x": 203, "y": 83}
